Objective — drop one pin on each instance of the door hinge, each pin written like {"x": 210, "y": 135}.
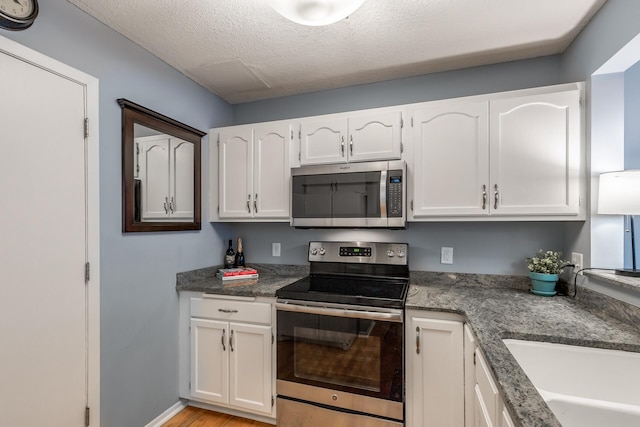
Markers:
{"x": 87, "y": 271}
{"x": 401, "y": 148}
{"x": 86, "y": 127}
{"x": 299, "y": 156}
{"x": 87, "y": 416}
{"x": 411, "y": 121}
{"x": 474, "y": 358}
{"x": 401, "y": 123}
{"x": 218, "y": 140}
{"x": 272, "y": 401}
{"x": 412, "y": 206}
{"x": 272, "y": 339}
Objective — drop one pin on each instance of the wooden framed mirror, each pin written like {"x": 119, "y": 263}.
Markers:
{"x": 161, "y": 172}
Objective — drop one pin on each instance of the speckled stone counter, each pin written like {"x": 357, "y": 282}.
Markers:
{"x": 271, "y": 278}
{"x": 495, "y": 307}
{"x": 498, "y": 307}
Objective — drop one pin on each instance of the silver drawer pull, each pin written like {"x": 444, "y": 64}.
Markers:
{"x": 224, "y": 310}
{"x": 495, "y": 195}
{"x": 484, "y": 197}
{"x": 231, "y": 341}
{"x": 417, "y": 340}
{"x": 224, "y": 348}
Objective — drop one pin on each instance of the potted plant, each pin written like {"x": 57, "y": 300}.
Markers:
{"x": 544, "y": 268}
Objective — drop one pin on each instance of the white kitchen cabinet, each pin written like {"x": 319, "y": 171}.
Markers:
{"x": 254, "y": 172}
{"x": 510, "y": 156}
{"x": 435, "y": 380}
{"x": 165, "y": 171}
{"x": 488, "y": 405}
{"x": 469, "y": 377}
{"x": 351, "y": 137}
{"x": 451, "y": 146}
{"x": 230, "y": 353}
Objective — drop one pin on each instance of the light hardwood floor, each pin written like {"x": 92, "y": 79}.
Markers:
{"x": 196, "y": 417}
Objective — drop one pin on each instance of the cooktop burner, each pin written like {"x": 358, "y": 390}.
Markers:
{"x": 354, "y": 273}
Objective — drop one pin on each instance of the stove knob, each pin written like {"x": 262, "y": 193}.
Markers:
{"x": 314, "y": 251}
{"x": 322, "y": 251}
{"x": 390, "y": 253}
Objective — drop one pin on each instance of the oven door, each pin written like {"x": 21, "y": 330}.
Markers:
{"x": 338, "y": 356}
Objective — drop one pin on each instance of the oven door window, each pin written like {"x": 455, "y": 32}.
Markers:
{"x": 340, "y": 195}
{"x": 354, "y": 355}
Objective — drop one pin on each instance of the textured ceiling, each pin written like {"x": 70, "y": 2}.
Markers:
{"x": 243, "y": 51}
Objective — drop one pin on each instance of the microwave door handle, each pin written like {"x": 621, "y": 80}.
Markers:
{"x": 383, "y": 194}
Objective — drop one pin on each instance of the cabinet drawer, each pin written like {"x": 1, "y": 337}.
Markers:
{"x": 230, "y": 310}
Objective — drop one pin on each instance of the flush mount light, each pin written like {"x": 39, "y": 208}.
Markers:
{"x": 315, "y": 12}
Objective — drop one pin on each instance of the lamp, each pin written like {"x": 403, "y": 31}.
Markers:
{"x": 315, "y": 12}
{"x": 619, "y": 194}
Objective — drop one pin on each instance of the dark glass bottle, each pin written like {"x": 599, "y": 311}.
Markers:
{"x": 229, "y": 256}
{"x": 239, "y": 254}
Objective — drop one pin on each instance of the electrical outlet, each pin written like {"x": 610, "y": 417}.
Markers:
{"x": 446, "y": 255}
{"x": 275, "y": 249}
{"x": 576, "y": 260}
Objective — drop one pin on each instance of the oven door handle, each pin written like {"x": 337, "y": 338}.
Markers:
{"x": 342, "y": 312}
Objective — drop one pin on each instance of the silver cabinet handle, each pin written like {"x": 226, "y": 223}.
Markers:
{"x": 342, "y": 146}
{"x": 351, "y": 145}
{"x": 166, "y": 207}
{"x": 417, "y": 340}
{"x": 255, "y": 204}
{"x": 495, "y": 195}
{"x": 224, "y": 348}
{"x": 225, "y": 310}
{"x": 172, "y": 205}
{"x": 484, "y": 197}
{"x": 231, "y": 341}
{"x": 249, "y": 203}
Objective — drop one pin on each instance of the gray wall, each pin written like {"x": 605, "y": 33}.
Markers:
{"x": 632, "y": 117}
{"x": 139, "y": 309}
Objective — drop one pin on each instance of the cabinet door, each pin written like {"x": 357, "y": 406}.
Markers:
{"x": 154, "y": 177}
{"x": 451, "y": 162}
{"x": 250, "y": 375}
{"x": 506, "y": 419}
{"x": 272, "y": 171}
{"x": 487, "y": 397}
{"x": 436, "y": 383}
{"x": 235, "y": 172}
{"x": 181, "y": 174}
{"x": 323, "y": 141}
{"x": 209, "y": 360}
{"x": 535, "y": 154}
{"x": 375, "y": 137}
{"x": 469, "y": 377}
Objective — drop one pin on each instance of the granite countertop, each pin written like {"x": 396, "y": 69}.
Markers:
{"x": 498, "y": 307}
{"x": 271, "y": 278}
{"x": 495, "y": 307}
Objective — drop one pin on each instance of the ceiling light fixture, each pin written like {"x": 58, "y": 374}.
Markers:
{"x": 315, "y": 12}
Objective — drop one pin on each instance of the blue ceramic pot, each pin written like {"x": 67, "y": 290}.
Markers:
{"x": 543, "y": 284}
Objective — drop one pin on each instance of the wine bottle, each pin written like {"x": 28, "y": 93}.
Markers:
{"x": 240, "y": 254}
{"x": 230, "y": 256}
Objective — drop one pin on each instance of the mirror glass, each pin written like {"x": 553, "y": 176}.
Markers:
{"x": 160, "y": 171}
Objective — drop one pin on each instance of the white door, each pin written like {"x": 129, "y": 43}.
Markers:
{"x": 375, "y": 136}
{"x": 535, "y": 154}
{"x": 272, "y": 172}
{"x": 250, "y": 367}
{"x": 181, "y": 186}
{"x": 236, "y": 172}
{"x": 210, "y": 360}
{"x": 437, "y": 380}
{"x": 451, "y": 162}
{"x": 44, "y": 320}
{"x": 323, "y": 141}
{"x": 154, "y": 177}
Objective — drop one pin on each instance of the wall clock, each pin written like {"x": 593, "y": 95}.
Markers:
{"x": 18, "y": 14}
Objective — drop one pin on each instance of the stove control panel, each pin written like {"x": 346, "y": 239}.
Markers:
{"x": 359, "y": 252}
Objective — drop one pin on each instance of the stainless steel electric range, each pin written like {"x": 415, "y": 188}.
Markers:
{"x": 340, "y": 337}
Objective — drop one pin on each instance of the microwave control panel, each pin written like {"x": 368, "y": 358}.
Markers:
{"x": 394, "y": 194}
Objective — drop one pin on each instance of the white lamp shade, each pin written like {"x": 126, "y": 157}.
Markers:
{"x": 619, "y": 193}
{"x": 315, "y": 12}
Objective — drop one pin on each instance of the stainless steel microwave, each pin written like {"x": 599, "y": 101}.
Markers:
{"x": 358, "y": 195}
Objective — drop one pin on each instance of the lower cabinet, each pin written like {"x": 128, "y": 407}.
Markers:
{"x": 435, "y": 370}
{"x": 230, "y": 354}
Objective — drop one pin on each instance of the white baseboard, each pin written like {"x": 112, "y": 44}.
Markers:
{"x": 168, "y": 414}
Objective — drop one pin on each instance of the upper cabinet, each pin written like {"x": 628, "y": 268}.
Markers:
{"x": 254, "y": 173}
{"x": 352, "y": 137}
{"x": 504, "y": 157}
